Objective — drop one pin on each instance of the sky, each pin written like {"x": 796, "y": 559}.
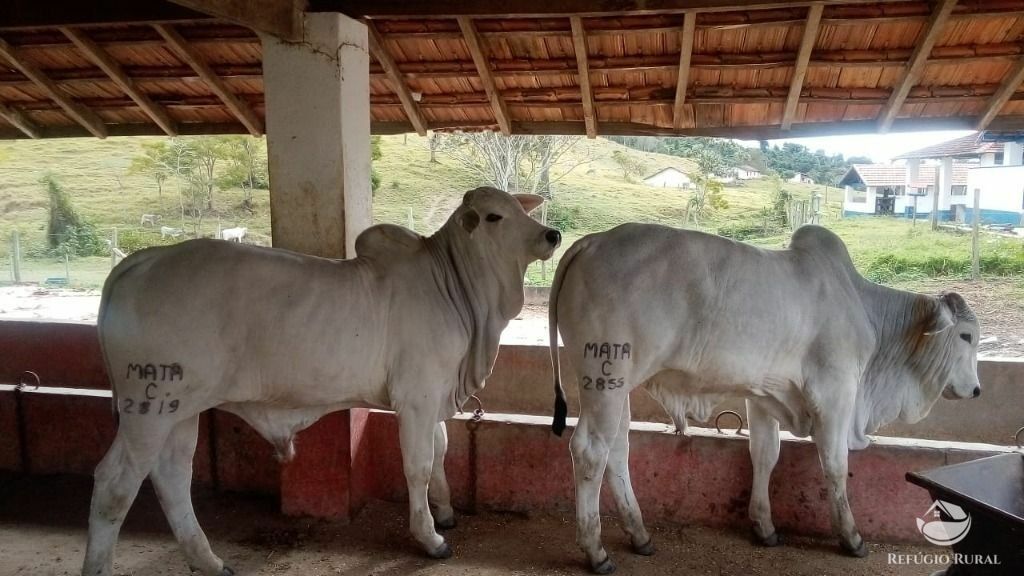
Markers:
{"x": 879, "y": 147}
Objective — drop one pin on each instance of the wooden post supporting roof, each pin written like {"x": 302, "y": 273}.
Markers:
{"x": 81, "y": 114}
{"x": 685, "y": 54}
{"x": 483, "y": 69}
{"x": 409, "y": 105}
{"x": 803, "y": 57}
{"x": 111, "y": 68}
{"x": 188, "y": 55}
{"x": 915, "y": 66}
{"x": 579, "y": 43}
{"x": 17, "y": 119}
{"x": 1002, "y": 95}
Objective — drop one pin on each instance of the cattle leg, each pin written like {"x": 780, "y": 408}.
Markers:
{"x": 438, "y": 493}
{"x": 117, "y": 481}
{"x": 591, "y": 443}
{"x": 416, "y": 431}
{"x": 833, "y": 450}
{"x": 172, "y": 478}
{"x": 616, "y": 474}
{"x": 764, "y": 454}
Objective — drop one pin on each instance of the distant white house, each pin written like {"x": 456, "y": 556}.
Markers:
{"x": 801, "y": 178}
{"x": 960, "y": 167}
{"x": 669, "y": 178}
{"x": 747, "y": 173}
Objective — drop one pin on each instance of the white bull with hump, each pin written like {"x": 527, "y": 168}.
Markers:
{"x": 412, "y": 324}
{"x": 694, "y": 318}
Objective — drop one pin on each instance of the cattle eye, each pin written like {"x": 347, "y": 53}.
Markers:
{"x": 966, "y": 337}
{"x": 494, "y": 217}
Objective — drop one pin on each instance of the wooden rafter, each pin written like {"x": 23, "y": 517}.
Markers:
{"x": 915, "y": 66}
{"x": 483, "y": 69}
{"x": 1003, "y": 95}
{"x": 113, "y": 69}
{"x": 15, "y": 118}
{"x": 87, "y": 118}
{"x": 579, "y": 43}
{"x": 189, "y": 56}
{"x": 280, "y": 18}
{"x": 803, "y": 57}
{"x": 412, "y": 109}
{"x": 685, "y": 55}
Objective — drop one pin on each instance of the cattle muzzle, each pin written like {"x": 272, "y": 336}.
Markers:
{"x": 554, "y": 237}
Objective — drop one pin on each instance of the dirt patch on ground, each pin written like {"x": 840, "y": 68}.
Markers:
{"x": 42, "y": 531}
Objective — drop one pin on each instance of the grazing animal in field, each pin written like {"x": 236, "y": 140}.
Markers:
{"x": 411, "y": 324}
{"x": 168, "y": 232}
{"x": 694, "y": 318}
{"x": 149, "y": 219}
{"x": 233, "y": 234}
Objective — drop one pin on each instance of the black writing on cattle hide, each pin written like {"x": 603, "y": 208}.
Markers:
{"x": 607, "y": 350}
{"x": 166, "y": 372}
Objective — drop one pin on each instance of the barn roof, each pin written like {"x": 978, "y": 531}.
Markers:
{"x": 896, "y": 175}
{"x": 970, "y": 146}
{"x": 748, "y": 69}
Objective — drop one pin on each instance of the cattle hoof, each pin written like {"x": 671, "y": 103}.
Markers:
{"x": 443, "y": 552}
{"x": 446, "y": 524}
{"x": 605, "y": 567}
{"x": 858, "y": 552}
{"x": 227, "y": 571}
{"x": 770, "y": 541}
{"x": 645, "y": 549}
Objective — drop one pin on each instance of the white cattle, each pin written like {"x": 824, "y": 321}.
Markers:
{"x": 150, "y": 219}
{"x": 235, "y": 234}
{"x": 693, "y": 318}
{"x": 411, "y": 324}
{"x": 167, "y": 231}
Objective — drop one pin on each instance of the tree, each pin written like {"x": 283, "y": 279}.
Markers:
{"x": 206, "y": 153}
{"x": 513, "y": 163}
{"x": 246, "y": 167}
{"x": 629, "y": 164}
{"x": 707, "y": 190}
{"x": 67, "y": 233}
{"x": 152, "y": 163}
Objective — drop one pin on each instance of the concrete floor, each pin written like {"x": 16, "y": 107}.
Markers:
{"x": 42, "y": 533}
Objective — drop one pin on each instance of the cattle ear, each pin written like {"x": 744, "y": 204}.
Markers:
{"x": 529, "y": 202}
{"x": 942, "y": 318}
{"x": 469, "y": 220}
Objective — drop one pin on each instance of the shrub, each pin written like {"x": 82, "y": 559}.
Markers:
{"x": 564, "y": 217}
{"x": 134, "y": 240}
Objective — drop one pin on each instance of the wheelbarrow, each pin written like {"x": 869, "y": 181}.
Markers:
{"x": 979, "y": 512}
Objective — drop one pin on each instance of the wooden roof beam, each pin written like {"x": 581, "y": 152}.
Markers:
{"x": 189, "y": 56}
{"x": 280, "y": 18}
{"x": 579, "y": 43}
{"x": 15, "y": 118}
{"x": 113, "y": 69}
{"x": 84, "y": 116}
{"x": 483, "y": 69}
{"x": 803, "y": 58}
{"x": 685, "y": 56}
{"x": 915, "y": 66}
{"x": 412, "y": 109}
{"x": 1002, "y": 95}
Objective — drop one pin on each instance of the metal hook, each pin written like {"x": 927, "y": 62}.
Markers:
{"x": 21, "y": 381}
{"x": 739, "y": 418}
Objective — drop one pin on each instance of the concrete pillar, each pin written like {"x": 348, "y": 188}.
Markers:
{"x": 318, "y": 140}
{"x": 1012, "y": 152}
{"x": 945, "y": 191}
{"x": 913, "y": 171}
{"x": 318, "y": 136}
{"x": 988, "y": 159}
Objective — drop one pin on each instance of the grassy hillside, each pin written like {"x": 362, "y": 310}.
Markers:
{"x": 593, "y": 196}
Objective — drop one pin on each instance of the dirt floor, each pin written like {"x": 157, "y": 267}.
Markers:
{"x": 42, "y": 533}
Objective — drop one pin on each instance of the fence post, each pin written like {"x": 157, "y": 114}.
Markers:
{"x": 16, "y": 257}
{"x": 67, "y": 270}
{"x": 975, "y": 257}
{"x": 934, "y": 216}
{"x": 816, "y": 208}
{"x": 113, "y": 247}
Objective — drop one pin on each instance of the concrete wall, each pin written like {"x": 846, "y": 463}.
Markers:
{"x": 67, "y": 355}
{"x": 1002, "y": 193}
{"x": 669, "y": 179}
